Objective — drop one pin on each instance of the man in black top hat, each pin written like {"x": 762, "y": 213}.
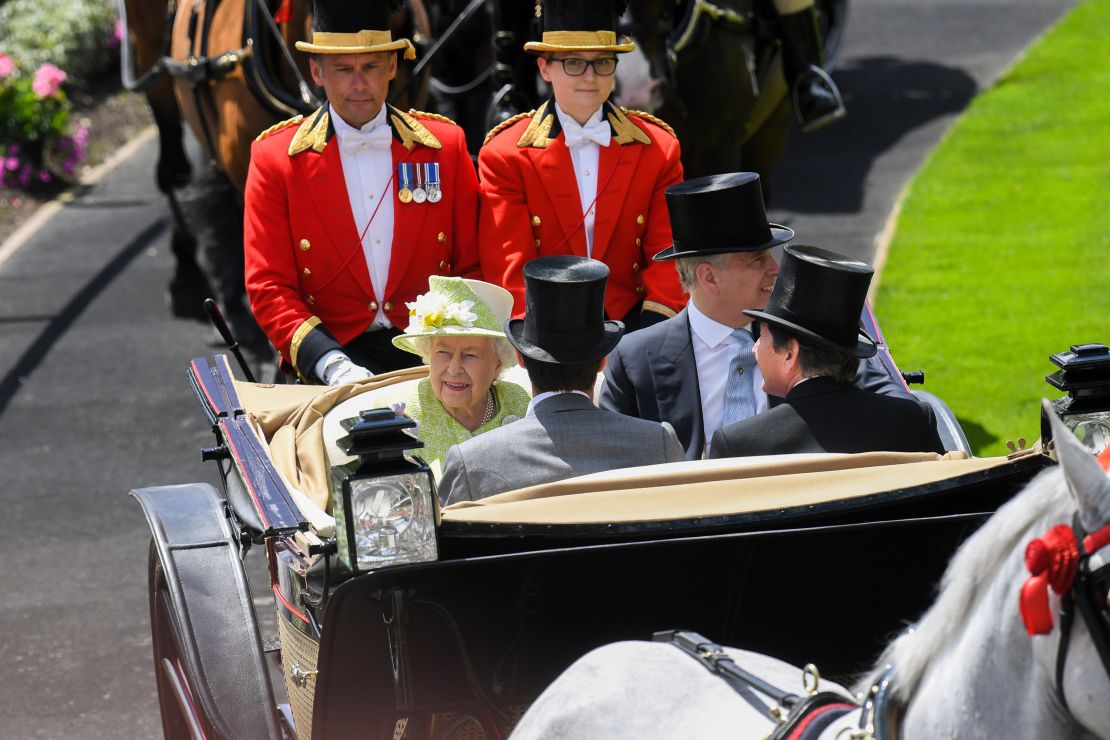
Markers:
{"x": 808, "y": 351}
{"x": 562, "y": 342}
{"x": 680, "y": 370}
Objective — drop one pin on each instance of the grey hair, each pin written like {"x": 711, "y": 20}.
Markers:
{"x": 506, "y": 353}
{"x": 688, "y": 267}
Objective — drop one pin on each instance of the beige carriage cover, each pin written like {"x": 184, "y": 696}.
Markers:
{"x": 290, "y": 420}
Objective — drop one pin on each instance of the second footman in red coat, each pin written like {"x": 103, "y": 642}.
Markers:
{"x": 581, "y": 176}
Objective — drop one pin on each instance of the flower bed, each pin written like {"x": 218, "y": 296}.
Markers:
{"x": 45, "y": 44}
{"x": 57, "y": 86}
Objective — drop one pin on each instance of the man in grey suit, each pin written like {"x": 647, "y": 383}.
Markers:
{"x": 562, "y": 341}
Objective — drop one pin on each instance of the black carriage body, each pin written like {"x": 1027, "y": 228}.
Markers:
{"x": 490, "y": 631}
{"x": 507, "y": 606}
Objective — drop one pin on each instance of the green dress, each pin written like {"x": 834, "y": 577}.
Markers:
{"x": 439, "y": 431}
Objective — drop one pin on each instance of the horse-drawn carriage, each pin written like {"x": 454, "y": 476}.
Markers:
{"x": 399, "y": 619}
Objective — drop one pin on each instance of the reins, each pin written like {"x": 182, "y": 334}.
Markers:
{"x": 795, "y": 717}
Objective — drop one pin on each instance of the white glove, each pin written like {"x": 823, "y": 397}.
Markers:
{"x": 340, "y": 370}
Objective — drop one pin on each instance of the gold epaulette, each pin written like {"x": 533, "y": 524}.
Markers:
{"x": 433, "y": 116}
{"x": 410, "y": 130}
{"x": 312, "y": 134}
{"x": 279, "y": 126}
{"x": 505, "y": 124}
{"x": 648, "y": 117}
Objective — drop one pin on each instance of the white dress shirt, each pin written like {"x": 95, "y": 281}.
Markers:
{"x": 714, "y": 347}
{"x": 585, "y": 151}
{"x": 367, "y": 168}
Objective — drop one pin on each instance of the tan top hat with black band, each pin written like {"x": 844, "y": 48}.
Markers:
{"x": 354, "y": 27}
{"x": 581, "y": 25}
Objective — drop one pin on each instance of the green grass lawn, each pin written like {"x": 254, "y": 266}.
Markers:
{"x": 1002, "y": 252}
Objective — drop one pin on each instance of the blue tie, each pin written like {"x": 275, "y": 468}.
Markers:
{"x": 739, "y": 391}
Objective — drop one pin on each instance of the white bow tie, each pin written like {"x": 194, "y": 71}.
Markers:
{"x": 380, "y": 137}
{"x": 597, "y": 132}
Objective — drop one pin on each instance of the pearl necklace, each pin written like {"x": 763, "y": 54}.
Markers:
{"x": 491, "y": 408}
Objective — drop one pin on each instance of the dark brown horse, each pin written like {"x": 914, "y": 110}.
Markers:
{"x": 718, "y": 78}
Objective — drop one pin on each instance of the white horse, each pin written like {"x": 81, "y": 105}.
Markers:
{"x": 968, "y": 669}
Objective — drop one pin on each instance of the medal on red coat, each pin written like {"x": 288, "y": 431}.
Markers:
{"x": 419, "y": 194}
{"x": 435, "y": 194}
{"x": 404, "y": 183}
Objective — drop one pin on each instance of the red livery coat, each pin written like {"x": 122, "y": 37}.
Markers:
{"x": 531, "y": 207}
{"x": 306, "y": 275}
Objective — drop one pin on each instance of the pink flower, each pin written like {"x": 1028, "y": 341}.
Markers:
{"x": 11, "y": 164}
{"x": 118, "y": 30}
{"x": 7, "y": 66}
{"x": 48, "y": 79}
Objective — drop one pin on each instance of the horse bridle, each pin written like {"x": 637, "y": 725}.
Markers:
{"x": 1089, "y": 594}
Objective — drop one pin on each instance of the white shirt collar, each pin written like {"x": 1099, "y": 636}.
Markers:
{"x": 342, "y": 128}
{"x": 546, "y": 395}
{"x": 708, "y": 330}
{"x": 565, "y": 120}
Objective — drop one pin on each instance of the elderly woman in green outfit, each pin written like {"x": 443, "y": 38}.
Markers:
{"x": 456, "y": 328}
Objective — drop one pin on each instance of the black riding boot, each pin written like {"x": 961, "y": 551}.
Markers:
{"x": 815, "y": 97}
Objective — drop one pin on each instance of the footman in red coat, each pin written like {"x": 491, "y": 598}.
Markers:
{"x": 351, "y": 209}
{"x": 581, "y": 176}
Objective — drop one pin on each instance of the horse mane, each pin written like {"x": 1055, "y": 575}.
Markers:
{"x": 977, "y": 563}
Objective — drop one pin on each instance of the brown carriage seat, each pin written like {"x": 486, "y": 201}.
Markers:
{"x": 708, "y": 488}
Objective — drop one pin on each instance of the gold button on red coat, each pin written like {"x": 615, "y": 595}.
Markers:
{"x": 638, "y": 241}
{"x": 639, "y": 289}
{"x": 536, "y": 221}
{"x": 305, "y": 245}
{"x": 373, "y": 305}
{"x": 635, "y": 266}
{"x": 441, "y": 237}
{"x": 387, "y": 306}
{"x": 311, "y": 300}
{"x": 307, "y": 272}
{"x": 443, "y": 264}
{"x": 640, "y": 219}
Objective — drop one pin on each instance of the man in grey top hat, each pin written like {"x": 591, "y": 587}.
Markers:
{"x": 808, "y": 351}
{"x": 562, "y": 342}
{"x": 697, "y": 370}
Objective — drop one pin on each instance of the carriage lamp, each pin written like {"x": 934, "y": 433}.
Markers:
{"x": 1084, "y": 375}
{"x": 384, "y": 501}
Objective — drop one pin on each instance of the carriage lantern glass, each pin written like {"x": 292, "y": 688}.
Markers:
{"x": 1084, "y": 375}
{"x": 384, "y": 502}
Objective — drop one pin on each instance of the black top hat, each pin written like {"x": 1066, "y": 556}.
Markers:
{"x": 581, "y": 25}
{"x": 819, "y": 295}
{"x": 720, "y": 214}
{"x": 564, "y": 315}
{"x": 353, "y": 27}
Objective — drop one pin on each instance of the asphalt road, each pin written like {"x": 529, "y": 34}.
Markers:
{"x": 94, "y": 401}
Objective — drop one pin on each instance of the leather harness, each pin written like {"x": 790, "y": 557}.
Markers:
{"x": 1088, "y": 594}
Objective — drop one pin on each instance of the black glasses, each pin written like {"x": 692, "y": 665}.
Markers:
{"x": 575, "y": 67}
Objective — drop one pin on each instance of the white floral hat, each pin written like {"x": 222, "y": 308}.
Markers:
{"x": 455, "y": 307}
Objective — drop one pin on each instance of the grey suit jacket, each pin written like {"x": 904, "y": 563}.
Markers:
{"x": 652, "y": 375}
{"x": 567, "y": 436}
